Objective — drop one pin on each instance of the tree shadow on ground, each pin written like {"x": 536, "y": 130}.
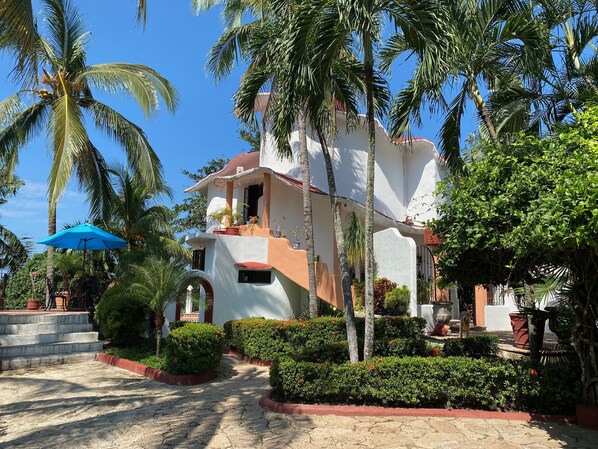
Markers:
{"x": 137, "y": 412}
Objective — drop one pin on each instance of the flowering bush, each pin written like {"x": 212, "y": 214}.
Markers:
{"x": 194, "y": 348}
{"x": 452, "y": 382}
{"x": 268, "y": 339}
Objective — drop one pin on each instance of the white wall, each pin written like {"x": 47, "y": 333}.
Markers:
{"x": 281, "y": 299}
{"x": 421, "y": 176}
{"x": 395, "y": 257}
{"x": 349, "y": 154}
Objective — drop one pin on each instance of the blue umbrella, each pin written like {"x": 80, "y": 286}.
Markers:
{"x": 84, "y": 236}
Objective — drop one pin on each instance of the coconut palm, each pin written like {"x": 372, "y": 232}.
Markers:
{"x": 62, "y": 103}
{"x": 18, "y": 33}
{"x": 157, "y": 283}
{"x": 479, "y": 46}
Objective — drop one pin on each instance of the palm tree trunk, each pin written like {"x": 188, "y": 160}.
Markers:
{"x": 530, "y": 303}
{"x": 368, "y": 345}
{"x": 483, "y": 111}
{"x": 341, "y": 254}
{"x": 159, "y": 322}
{"x": 50, "y": 266}
{"x": 307, "y": 214}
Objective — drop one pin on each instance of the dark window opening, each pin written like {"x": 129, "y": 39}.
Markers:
{"x": 255, "y": 277}
{"x": 199, "y": 259}
{"x": 252, "y": 195}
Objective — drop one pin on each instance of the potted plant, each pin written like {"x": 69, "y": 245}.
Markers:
{"x": 278, "y": 232}
{"x": 526, "y": 310}
{"x": 228, "y": 217}
{"x": 296, "y": 231}
{"x": 33, "y": 304}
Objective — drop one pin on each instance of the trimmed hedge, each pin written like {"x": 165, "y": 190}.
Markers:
{"x": 194, "y": 348}
{"x": 453, "y": 382}
{"x": 123, "y": 320}
{"x": 476, "y": 346}
{"x": 268, "y": 339}
{"x": 339, "y": 352}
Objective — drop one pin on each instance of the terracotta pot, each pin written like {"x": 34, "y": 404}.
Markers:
{"x": 232, "y": 231}
{"x": 521, "y": 331}
{"x": 587, "y": 416}
{"x": 33, "y": 304}
{"x": 434, "y": 352}
{"x": 219, "y": 231}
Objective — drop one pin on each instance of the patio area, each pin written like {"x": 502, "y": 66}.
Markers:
{"x": 98, "y": 406}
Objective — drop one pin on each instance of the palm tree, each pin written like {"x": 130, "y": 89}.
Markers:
{"x": 13, "y": 251}
{"x": 60, "y": 106}
{"x": 157, "y": 283}
{"x": 476, "y": 46}
{"x": 18, "y": 33}
{"x": 570, "y": 74}
{"x": 259, "y": 44}
{"x": 134, "y": 213}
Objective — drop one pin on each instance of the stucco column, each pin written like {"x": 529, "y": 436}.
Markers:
{"x": 229, "y": 200}
{"x": 189, "y": 300}
{"x": 266, "y": 201}
{"x": 481, "y": 300}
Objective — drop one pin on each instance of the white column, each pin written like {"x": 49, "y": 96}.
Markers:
{"x": 189, "y": 301}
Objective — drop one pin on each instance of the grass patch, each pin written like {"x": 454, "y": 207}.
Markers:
{"x": 143, "y": 352}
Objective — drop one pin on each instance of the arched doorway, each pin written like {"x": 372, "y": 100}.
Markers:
{"x": 205, "y": 281}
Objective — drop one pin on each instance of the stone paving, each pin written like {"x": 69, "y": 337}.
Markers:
{"x": 92, "y": 405}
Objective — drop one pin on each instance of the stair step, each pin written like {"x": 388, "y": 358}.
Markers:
{"x": 55, "y": 359}
{"x": 36, "y": 339}
{"x": 47, "y": 318}
{"x": 47, "y": 349}
{"x": 44, "y": 328}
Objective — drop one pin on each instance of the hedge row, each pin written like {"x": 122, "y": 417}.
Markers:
{"x": 452, "y": 382}
{"x": 339, "y": 352}
{"x": 193, "y": 348}
{"x": 475, "y": 346}
{"x": 268, "y": 339}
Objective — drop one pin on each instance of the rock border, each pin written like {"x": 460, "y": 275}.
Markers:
{"x": 267, "y": 403}
{"x": 251, "y": 360}
{"x": 153, "y": 373}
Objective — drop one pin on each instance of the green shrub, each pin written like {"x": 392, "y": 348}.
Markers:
{"x": 194, "y": 348}
{"x": 396, "y": 301}
{"x": 268, "y": 339}
{"x": 18, "y": 289}
{"x": 455, "y": 382}
{"x": 177, "y": 324}
{"x": 476, "y": 346}
{"x": 400, "y": 347}
{"x": 123, "y": 319}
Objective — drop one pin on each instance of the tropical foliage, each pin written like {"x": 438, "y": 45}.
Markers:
{"x": 525, "y": 208}
{"x": 13, "y": 251}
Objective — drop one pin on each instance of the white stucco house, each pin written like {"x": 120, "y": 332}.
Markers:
{"x": 258, "y": 274}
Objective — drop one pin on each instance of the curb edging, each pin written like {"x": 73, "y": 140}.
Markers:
{"x": 267, "y": 403}
{"x": 153, "y": 373}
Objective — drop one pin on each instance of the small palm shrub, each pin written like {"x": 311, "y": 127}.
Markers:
{"x": 194, "y": 348}
{"x": 396, "y": 301}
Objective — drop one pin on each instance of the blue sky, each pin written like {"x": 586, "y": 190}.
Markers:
{"x": 175, "y": 43}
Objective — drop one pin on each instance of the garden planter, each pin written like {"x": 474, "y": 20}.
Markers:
{"x": 219, "y": 231}
{"x": 434, "y": 352}
{"x": 521, "y": 331}
{"x": 33, "y": 304}
{"x": 232, "y": 231}
{"x": 442, "y": 311}
{"x": 587, "y": 416}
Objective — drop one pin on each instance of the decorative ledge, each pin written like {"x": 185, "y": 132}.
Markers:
{"x": 253, "y": 266}
{"x": 271, "y": 405}
{"x": 153, "y": 373}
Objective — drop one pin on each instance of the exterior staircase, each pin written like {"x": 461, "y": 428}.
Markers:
{"x": 29, "y": 340}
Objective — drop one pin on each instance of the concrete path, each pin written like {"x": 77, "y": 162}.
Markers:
{"x": 92, "y": 405}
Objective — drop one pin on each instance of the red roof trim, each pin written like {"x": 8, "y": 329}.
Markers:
{"x": 253, "y": 266}
{"x": 299, "y": 184}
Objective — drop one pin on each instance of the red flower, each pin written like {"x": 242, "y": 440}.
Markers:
{"x": 300, "y": 381}
{"x": 371, "y": 367}
{"x": 533, "y": 372}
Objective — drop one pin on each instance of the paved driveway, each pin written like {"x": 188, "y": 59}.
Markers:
{"x": 92, "y": 405}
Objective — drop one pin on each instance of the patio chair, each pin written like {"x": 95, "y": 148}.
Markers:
{"x": 51, "y": 303}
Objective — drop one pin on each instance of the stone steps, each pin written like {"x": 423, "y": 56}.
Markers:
{"x": 33, "y": 339}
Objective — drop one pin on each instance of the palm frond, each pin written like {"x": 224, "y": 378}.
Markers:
{"x": 143, "y": 83}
